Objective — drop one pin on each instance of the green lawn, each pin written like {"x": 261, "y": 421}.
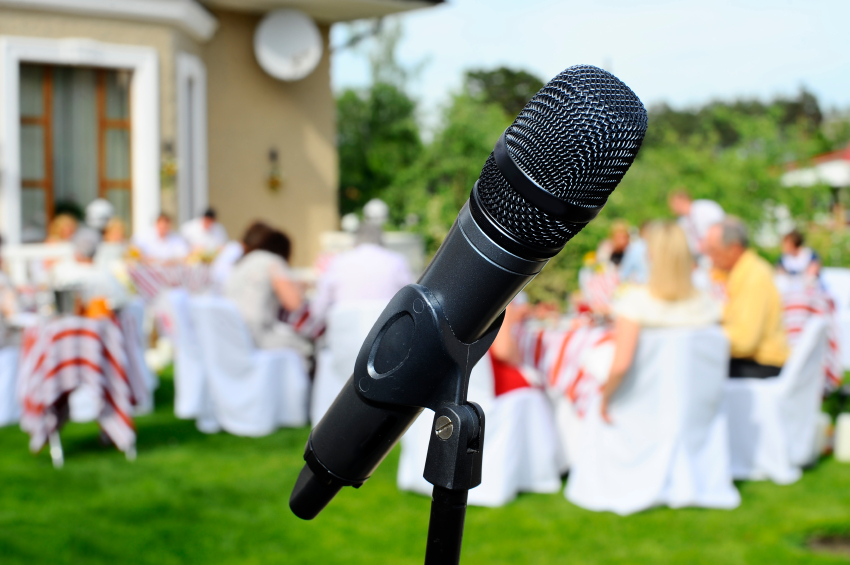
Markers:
{"x": 192, "y": 498}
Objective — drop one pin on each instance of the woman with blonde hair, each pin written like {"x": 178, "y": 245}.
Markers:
{"x": 61, "y": 229}
{"x": 669, "y": 299}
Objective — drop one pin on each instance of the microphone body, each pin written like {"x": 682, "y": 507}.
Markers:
{"x": 550, "y": 173}
{"x": 474, "y": 279}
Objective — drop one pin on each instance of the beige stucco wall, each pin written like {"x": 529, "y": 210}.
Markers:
{"x": 251, "y": 113}
{"x": 61, "y": 26}
{"x": 165, "y": 39}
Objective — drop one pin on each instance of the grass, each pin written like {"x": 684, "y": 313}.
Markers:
{"x": 220, "y": 499}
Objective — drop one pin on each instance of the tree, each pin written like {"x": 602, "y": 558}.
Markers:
{"x": 377, "y": 133}
{"x": 428, "y": 195}
{"x": 508, "y": 88}
{"x": 377, "y": 136}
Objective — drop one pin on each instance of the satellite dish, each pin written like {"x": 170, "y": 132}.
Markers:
{"x": 288, "y": 44}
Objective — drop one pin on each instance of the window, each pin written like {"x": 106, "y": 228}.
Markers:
{"x": 75, "y": 143}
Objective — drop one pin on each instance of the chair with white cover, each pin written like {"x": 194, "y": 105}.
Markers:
{"x": 348, "y": 325}
{"x": 10, "y": 406}
{"x": 773, "y": 422}
{"x": 837, "y": 283}
{"x": 667, "y": 443}
{"x": 131, "y": 318}
{"x": 520, "y": 443}
{"x": 190, "y": 382}
{"x": 252, "y": 391}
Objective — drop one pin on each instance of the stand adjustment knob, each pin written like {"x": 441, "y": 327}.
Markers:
{"x": 443, "y": 427}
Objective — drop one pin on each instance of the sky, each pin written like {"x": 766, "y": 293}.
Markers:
{"x": 680, "y": 52}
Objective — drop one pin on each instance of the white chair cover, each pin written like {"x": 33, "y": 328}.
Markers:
{"x": 252, "y": 392}
{"x": 348, "y": 325}
{"x": 837, "y": 283}
{"x": 668, "y": 441}
{"x": 520, "y": 444}
{"x": 190, "y": 394}
{"x": 10, "y": 406}
{"x": 773, "y": 422}
{"x": 132, "y": 321}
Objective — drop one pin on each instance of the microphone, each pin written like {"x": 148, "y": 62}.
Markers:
{"x": 550, "y": 173}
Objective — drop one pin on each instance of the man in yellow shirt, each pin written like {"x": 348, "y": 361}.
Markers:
{"x": 752, "y": 317}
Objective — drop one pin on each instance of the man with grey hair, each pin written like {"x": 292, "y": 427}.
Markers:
{"x": 752, "y": 316}
{"x": 89, "y": 280}
{"x": 367, "y": 272}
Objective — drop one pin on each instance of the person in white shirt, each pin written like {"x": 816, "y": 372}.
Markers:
{"x": 798, "y": 260}
{"x": 367, "y": 272}
{"x": 695, "y": 217}
{"x": 160, "y": 244}
{"x": 91, "y": 281}
{"x": 205, "y": 234}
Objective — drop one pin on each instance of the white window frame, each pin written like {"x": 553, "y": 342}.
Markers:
{"x": 143, "y": 62}
{"x": 192, "y": 173}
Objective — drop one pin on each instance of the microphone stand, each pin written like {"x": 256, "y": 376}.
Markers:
{"x": 431, "y": 371}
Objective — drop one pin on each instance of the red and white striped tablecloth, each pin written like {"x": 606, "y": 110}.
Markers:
{"x": 598, "y": 287}
{"x": 62, "y": 354}
{"x": 558, "y": 353}
{"x": 801, "y": 302}
{"x": 150, "y": 279}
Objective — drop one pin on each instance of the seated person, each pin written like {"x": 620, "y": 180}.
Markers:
{"x": 634, "y": 267}
{"x": 61, "y": 229}
{"x": 668, "y": 300}
{"x": 113, "y": 245}
{"x": 695, "y": 217}
{"x": 259, "y": 285}
{"x": 161, "y": 245}
{"x": 505, "y": 355}
{"x": 752, "y": 317}
{"x": 115, "y": 232}
{"x": 98, "y": 290}
{"x": 613, "y": 249}
{"x": 232, "y": 251}
{"x": 98, "y": 214}
{"x": 367, "y": 272}
{"x": 796, "y": 259}
{"x": 204, "y": 234}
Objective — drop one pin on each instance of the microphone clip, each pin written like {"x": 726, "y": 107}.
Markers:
{"x": 412, "y": 338}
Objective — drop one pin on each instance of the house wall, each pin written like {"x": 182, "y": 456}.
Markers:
{"x": 165, "y": 39}
{"x": 251, "y": 113}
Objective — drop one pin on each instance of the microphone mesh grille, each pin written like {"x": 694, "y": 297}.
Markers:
{"x": 576, "y": 138}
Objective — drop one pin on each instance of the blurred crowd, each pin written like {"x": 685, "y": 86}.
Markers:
{"x": 684, "y": 275}
{"x": 694, "y": 271}
{"x": 253, "y": 272}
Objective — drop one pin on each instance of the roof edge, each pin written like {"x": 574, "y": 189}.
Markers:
{"x": 187, "y": 15}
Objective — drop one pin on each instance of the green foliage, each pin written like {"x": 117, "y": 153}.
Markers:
{"x": 726, "y": 123}
{"x": 832, "y": 246}
{"x": 377, "y": 137}
{"x": 429, "y": 194}
{"x": 508, "y": 88}
{"x": 733, "y": 152}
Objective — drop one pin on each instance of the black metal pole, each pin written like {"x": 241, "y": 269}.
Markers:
{"x": 445, "y": 530}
